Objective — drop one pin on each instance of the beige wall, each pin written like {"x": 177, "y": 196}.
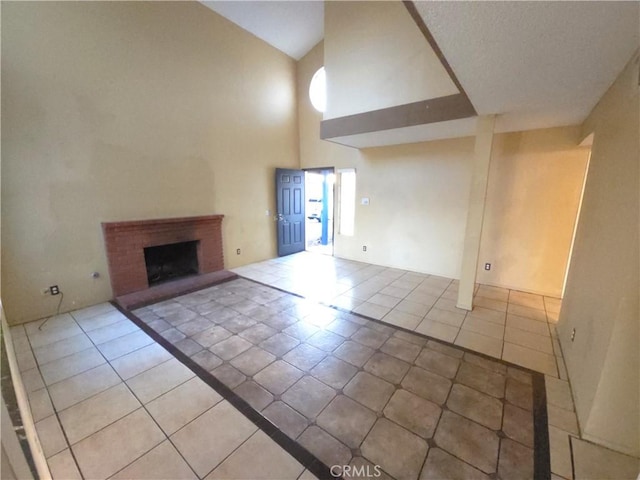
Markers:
{"x": 376, "y": 57}
{"x": 313, "y": 151}
{"x": 120, "y": 111}
{"x": 601, "y": 297}
{"x": 535, "y": 183}
{"x": 419, "y": 199}
{"x": 419, "y": 194}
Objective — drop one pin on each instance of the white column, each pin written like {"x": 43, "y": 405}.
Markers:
{"x": 475, "y": 215}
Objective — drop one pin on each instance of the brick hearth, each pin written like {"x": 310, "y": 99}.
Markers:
{"x": 125, "y": 243}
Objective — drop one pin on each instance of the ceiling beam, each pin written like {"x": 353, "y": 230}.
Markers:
{"x": 417, "y": 18}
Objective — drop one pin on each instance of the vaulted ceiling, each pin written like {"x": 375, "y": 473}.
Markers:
{"x": 293, "y": 27}
{"x": 536, "y": 64}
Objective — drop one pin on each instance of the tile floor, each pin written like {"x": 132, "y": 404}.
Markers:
{"x": 514, "y": 326}
{"x": 347, "y": 388}
{"x": 94, "y": 378}
{"x": 517, "y": 327}
{"x": 109, "y": 402}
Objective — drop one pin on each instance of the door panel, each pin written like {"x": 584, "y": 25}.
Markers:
{"x": 290, "y": 211}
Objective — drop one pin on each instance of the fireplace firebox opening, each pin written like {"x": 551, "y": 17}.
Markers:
{"x": 170, "y": 262}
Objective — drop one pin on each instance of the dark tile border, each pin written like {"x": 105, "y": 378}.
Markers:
{"x": 541, "y": 455}
{"x": 297, "y": 451}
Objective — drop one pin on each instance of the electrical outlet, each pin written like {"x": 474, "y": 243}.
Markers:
{"x": 237, "y": 251}
{"x": 54, "y": 290}
{"x": 364, "y": 248}
{"x": 573, "y": 334}
{"x": 487, "y": 266}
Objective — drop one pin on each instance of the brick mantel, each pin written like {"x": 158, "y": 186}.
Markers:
{"x": 125, "y": 243}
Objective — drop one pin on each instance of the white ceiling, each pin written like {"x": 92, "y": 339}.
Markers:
{"x": 536, "y": 64}
{"x": 293, "y": 27}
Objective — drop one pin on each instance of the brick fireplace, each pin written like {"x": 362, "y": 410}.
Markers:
{"x": 126, "y": 243}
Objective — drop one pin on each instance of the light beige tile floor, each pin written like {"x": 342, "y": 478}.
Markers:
{"x": 109, "y": 402}
{"x": 86, "y": 408}
{"x": 326, "y": 377}
{"x": 594, "y": 462}
{"x": 518, "y": 327}
{"x": 506, "y": 324}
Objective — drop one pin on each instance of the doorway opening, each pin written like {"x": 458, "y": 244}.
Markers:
{"x": 587, "y": 142}
{"x": 319, "y": 190}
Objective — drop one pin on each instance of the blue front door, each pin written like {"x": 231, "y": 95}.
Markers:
{"x": 290, "y": 211}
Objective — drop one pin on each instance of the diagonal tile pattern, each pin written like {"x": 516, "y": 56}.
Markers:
{"x": 353, "y": 389}
{"x": 506, "y": 324}
{"x": 109, "y": 402}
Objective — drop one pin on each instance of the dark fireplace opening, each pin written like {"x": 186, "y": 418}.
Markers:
{"x": 170, "y": 262}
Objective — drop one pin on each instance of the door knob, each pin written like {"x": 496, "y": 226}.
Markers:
{"x": 278, "y": 217}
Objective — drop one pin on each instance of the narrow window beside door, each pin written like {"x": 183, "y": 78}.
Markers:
{"x": 347, "y": 201}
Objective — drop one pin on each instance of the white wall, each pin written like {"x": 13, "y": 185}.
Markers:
{"x": 601, "y": 297}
